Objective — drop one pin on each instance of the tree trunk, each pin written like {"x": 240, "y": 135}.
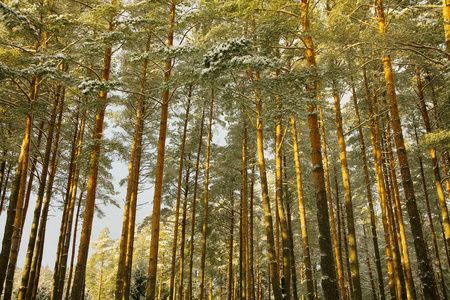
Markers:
{"x": 414, "y": 216}
{"x": 339, "y": 266}
{"x": 375, "y": 140}
{"x": 291, "y": 244}
{"x": 230, "y": 252}
{"x": 40, "y": 197}
{"x": 14, "y": 213}
{"x": 245, "y": 250}
{"x": 286, "y": 274}
{"x": 127, "y": 236}
{"x": 156, "y": 215}
{"x": 205, "y": 216}
{"x": 194, "y": 202}
{"x": 301, "y": 207}
{"x": 430, "y": 221}
{"x": 38, "y": 251}
{"x": 77, "y": 217}
{"x": 326, "y": 249}
{"x": 372, "y": 281}
{"x": 369, "y": 196}
{"x": 83, "y": 250}
{"x": 273, "y": 270}
{"x": 177, "y": 210}
{"x": 348, "y": 201}
{"x": 183, "y": 231}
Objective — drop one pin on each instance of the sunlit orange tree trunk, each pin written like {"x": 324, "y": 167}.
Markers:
{"x": 326, "y": 248}
{"x": 154, "y": 243}
{"x": 80, "y": 271}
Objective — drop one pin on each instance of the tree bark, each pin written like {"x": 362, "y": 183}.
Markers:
{"x": 205, "y": 215}
{"x": 177, "y": 209}
{"x": 80, "y": 270}
{"x": 301, "y": 207}
{"x": 154, "y": 243}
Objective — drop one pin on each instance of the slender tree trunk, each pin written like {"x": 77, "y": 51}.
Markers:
{"x": 205, "y": 216}
{"x": 414, "y": 217}
{"x": 67, "y": 231}
{"x": 100, "y": 280}
{"x": 399, "y": 276}
{"x": 252, "y": 293}
{"x": 369, "y": 268}
{"x": 374, "y": 137}
{"x": 245, "y": 250}
{"x": 132, "y": 182}
{"x": 58, "y": 280}
{"x": 75, "y": 230}
{"x": 369, "y": 195}
{"x": 348, "y": 201}
{"x": 183, "y": 230}
{"x": 230, "y": 252}
{"x": 156, "y": 215}
{"x": 177, "y": 210}
{"x": 194, "y": 202}
{"x": 301, "y": 207}
{"x": 83, "y": 250}
{"x": 273, "y": 270}
{"x": 286, "y": 274}
{"x": 40, "y": 196}
{"x": 291, "y": 244}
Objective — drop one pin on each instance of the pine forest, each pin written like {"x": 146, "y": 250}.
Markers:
{"x": 270, "y": 149}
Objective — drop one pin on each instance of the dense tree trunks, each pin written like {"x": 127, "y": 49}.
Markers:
{"x": 348, "y": 201}
{"x": 337, "y": 253}
{"x": 156, "y": 214}
{"x": 205, "y": 214}
{"x": 376, "y": 149}
{"x": 396, "y": 256}
{"x": 38, "y": 251}
{"x": 14, "y": 213}
{"x": 83, "y": 250}
{"x": 328, "y": 281}
{"x": 414, "y": 217}
{"x": 301, "y": 207}
{"x": 286, "y": 270}
{"x": 183, "y": 231}
{"x": 178, "y": 200}
{"x": 248, "y": 288}
{"x": 430, "y": 221}
{"x": 75, "y": 230}
{"x": 194, "y": 204}
{"x": 434, "y": 159}
{"x": 66, "y": 230}
{"x": 40, "y": 196}
{"x": 369, "y": 194}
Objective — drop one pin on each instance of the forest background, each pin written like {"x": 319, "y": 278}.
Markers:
{"x": 277, "y": 149}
